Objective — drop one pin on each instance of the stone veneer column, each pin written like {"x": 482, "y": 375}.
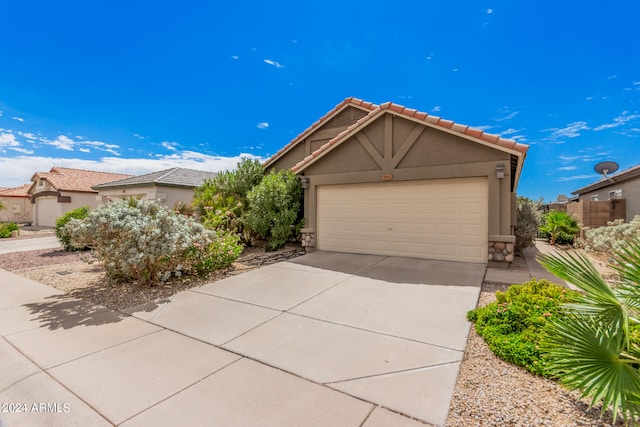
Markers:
{"x": 501, "y": 248}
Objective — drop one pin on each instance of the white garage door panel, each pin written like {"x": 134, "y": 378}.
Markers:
{"x": 439, "y": 219}
{"x": 48, "y": 210}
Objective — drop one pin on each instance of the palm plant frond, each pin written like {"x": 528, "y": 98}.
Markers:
{"x": 588, "y": 357}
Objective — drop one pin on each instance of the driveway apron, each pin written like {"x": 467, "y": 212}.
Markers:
{"x": 324, "y": 339}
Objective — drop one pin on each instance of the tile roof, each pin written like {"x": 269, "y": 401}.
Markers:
{"x": 22, "y": 191}
{"x": 68, "y": 179}
{"x": 625, "y": 175}
{"x": 376, "y": 111}
{"x": 178, "y": 177}
{"x": 354, "y": 102}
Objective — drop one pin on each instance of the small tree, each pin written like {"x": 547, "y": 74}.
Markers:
{"x": 221, "y": 201}
{"x": 527, "y": 222}
{"x": 558, "y": 223}
{"x": 274, "y": 205}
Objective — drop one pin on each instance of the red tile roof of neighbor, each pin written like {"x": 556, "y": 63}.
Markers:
{"x": 68, "y": 179}
{"x": 22, "y": 191}
{"x": 375, "y": 111}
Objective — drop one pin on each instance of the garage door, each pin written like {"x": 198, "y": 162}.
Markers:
{"x": 436, "y": 219}
{"x": 47, "y": 211}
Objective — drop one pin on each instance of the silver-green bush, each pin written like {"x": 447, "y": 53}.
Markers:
{"x": 143, "y": 241}
{"x": 611, "y": 238}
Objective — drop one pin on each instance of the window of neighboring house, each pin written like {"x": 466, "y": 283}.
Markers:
{"x": 615, "y": 194}
{"x": 41, "y": 182}
{"x": 594, "y": 198}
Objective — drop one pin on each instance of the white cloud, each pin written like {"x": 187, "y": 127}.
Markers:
{"x": 612, "y": 77}
{"x": 21, "y": 150}
{"x": 0, "y": 113}
{"x": 62, "y": 142}
{"x": 436, "y": 109}
{"x": 18, "y": 170}
{"x": 508, "y": 116}
{"x": 489, "y": 11}
{"x": 621, "y": 120}
{"x": 509, "y": 131}
{"x": 28, "y": 135}
{"x": 236, "y": 57}
{"x": 169, "y": 145}
{"x": 137, "y": 135}
{"x": 8, "y": 140}
{"x": 20, "y": 119}
{"x": 84, "y": 150}
{"x": 430, "y": 56}
{"x": 263, "y": 125}
{"x": 567, "y": 168}
{"x": 483, "y": 128}
{"x": 294, "y": 41}
{"x": 455, "y": 70}
{"x": 575, "y": 177}
{"x": 274, "y": 63}
{"x": 572, "y": 130}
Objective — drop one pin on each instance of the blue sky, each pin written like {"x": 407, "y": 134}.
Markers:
{"x": 138, "y": 86}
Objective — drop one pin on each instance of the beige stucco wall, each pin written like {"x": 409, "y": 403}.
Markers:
{"x": 17, "y": 209}
{"x": 167, "y": 195}
{"x": 630, "y": 192}
{"x": 380, "y": 149}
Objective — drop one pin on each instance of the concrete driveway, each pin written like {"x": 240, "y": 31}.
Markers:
{"x": 324, "y": 339}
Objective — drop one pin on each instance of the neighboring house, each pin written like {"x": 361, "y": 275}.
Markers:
{"x": 17, "y": 204}
{"x": 61, "y": 190}
{"x": 623, "y": 185}
{"x": 388, "y": 180}
{"x": 169, "y": 186}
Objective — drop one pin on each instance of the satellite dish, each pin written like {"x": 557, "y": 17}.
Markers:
{"x": 603, "y": 168}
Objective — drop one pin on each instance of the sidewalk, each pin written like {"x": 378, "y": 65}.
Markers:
{"x": 533, "y": 268}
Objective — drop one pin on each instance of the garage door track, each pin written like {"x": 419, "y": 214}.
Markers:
{"x": 324, "y": 339}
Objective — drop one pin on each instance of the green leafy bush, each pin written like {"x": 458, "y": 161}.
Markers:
{"x": 145, "y": 242}
{"x": 221, "y": 202}
{"x": 274, "y": 208}
{"x": 6, "y": 228}
{"x": 527, "y": 223}
{"x": 513, "y": 325}
{"x": 611, "y": 238}
{"x": 62, "y": 235}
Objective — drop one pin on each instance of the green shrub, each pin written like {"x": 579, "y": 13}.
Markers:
{"x": 62, "y": 235}
{"x": 6, "y": 228}
{"x": 527, "y": 223}
{"x": 145, "y": 242}
{"x": 513, "y": 325}
{"x": 274, "y": 208}
{"x": 221, "y": 202}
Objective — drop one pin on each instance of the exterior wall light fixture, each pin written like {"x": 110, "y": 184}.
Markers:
{"x": 304, "y": 182}
{"x": 500, "y": 170}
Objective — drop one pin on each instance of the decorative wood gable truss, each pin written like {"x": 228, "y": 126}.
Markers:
{"x": 393, "y": 137}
